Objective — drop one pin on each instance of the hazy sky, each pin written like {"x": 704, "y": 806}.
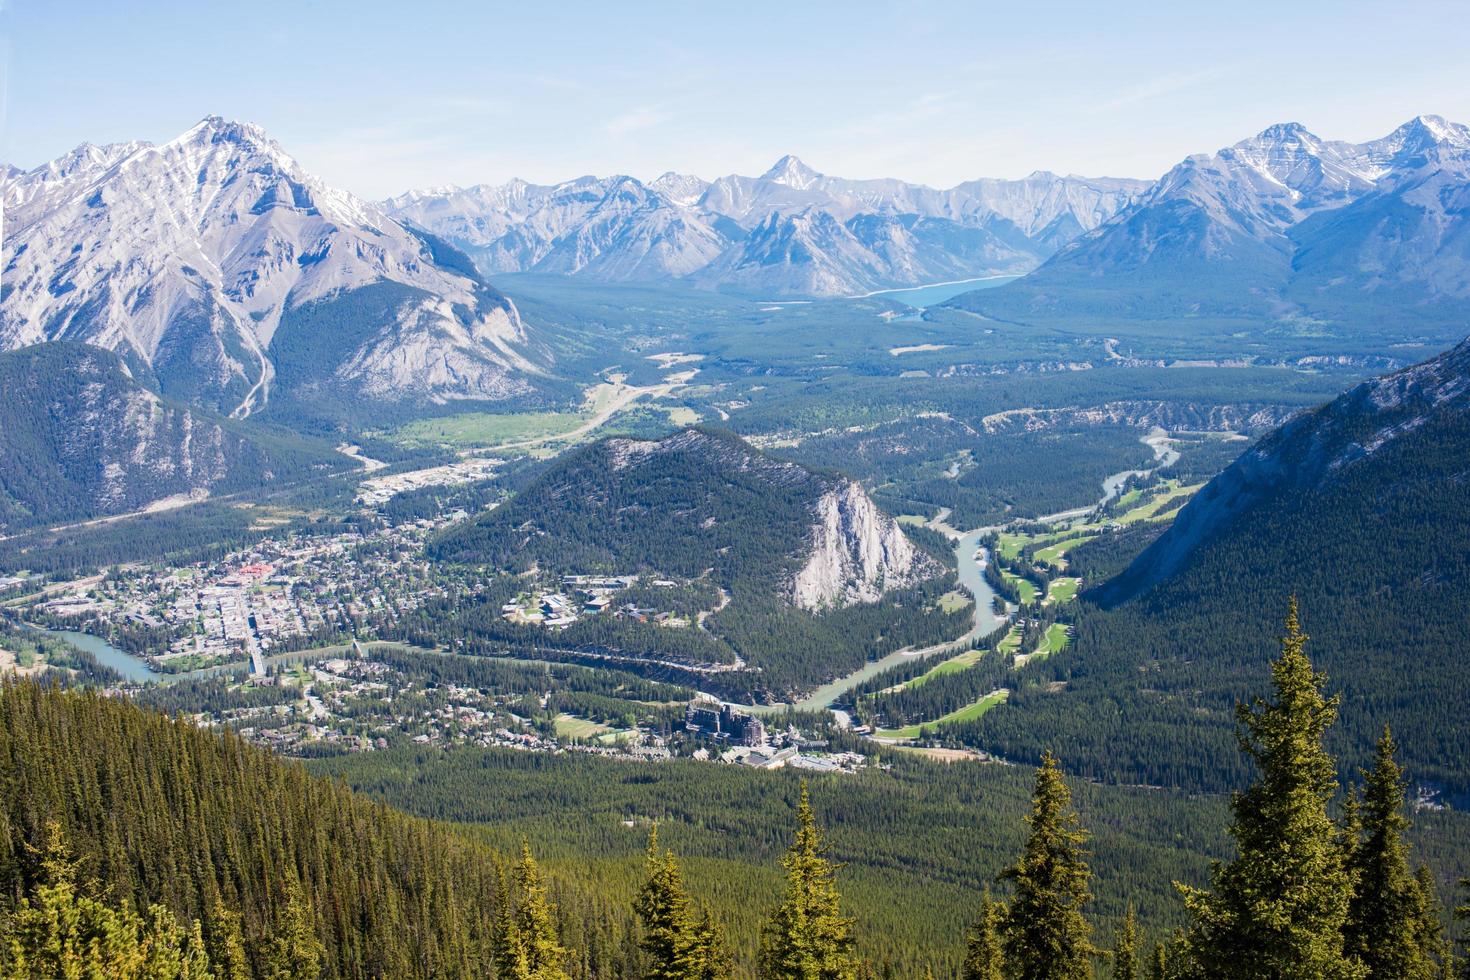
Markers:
{"x": 380, "y": 96}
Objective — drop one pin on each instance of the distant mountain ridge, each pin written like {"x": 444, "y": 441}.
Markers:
{"x": 193, "y": 259}
{"x": 1279, "y": 224}
{"x": 791, "y": 230}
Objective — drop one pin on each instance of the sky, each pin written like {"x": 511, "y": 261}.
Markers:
{"x": 379, "y": 96}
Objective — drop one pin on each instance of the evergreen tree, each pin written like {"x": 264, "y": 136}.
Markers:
{"x": 1278, "y": 910}
{"x": 536, "y": 923}
{"x": 1390, "y": 911}
{"x": 1160, "y": 965}
{"x": 226, "y": 944}
{"x": 1046, "y": 935}
{"x": 509, "y": 952}
{"x": 984, "y": 959}
{"x": 806, "y": 937}
{"x": 295, "y": 952}
{"x": 715, "y": 962}
{"x": 1462, "y": 918}
{"x": 670, "y": 937}
{"x": 1125, "y": 949}
{"x": 61, "y": 932}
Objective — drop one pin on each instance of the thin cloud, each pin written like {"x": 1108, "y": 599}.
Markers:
{"x": 1161, "y": 86}
{"x": 635, "y": 121}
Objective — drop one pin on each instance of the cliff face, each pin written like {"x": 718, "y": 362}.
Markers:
{"x": 858, "y": 553}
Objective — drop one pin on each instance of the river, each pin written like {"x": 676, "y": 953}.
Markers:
{"x": 131, "y": 668}
{"x": 971, "y": 560}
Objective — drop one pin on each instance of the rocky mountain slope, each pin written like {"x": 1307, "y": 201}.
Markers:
{"x": 80, "y": 438}
{"x": 194, "y": 259}
{"x": 1281, "y": 223}
{"x": 1349, "y": 439}
{"x": 791, "y": 230}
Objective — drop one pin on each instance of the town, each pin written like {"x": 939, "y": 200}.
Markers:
{"x": 277, "y": 595}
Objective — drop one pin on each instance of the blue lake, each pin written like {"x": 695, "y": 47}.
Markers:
{"x": 920, "y": 297}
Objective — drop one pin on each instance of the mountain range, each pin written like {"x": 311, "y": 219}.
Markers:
{"x": 791, "y": 230}
{"x": 228, "y": 277}
{"x": 202, "y": 261}
{"x": 1284, "y": 223}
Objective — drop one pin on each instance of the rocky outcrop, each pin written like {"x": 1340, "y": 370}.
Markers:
{"x": 858, "y": 553}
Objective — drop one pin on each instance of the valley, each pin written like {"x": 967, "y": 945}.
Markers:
{"x": 560, "y": 511}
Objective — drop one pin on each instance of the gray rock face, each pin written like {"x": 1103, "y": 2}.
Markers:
{"x": 188, "y": 256}
{"x": 857, "y": 553}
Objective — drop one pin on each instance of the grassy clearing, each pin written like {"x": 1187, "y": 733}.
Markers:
{"x": 570, "y": 726}
{"x": 1063, "y": 590}
{"x": 913, "y": 520}
{"x": 1056, "y": 638}
{"x": 485, "y": 429}
{"x": 1024, "y": 586}
{"x": 954, "y": 601}
{"x": 961, "y": 662}
{"x": 1052, "y": 554}
{"x": 968, "y": 713}
{"x": 1162, "y": 506}
{"x": 1011, "y": 642}
{"x": 681, "y": 414}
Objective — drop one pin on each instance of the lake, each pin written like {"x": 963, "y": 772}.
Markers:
{"x": 920, "y": 297}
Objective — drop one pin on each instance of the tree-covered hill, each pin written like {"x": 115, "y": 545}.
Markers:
{"x": 813, "y": 578}
{"x": 159, "y": 811}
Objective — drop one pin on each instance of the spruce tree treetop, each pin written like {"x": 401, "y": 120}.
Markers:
{"x": 984, "y": 959}
{"x": 1046, "y": 935}
{"x": 1278, "y": 910}
{"x": 807, "y": 937}
{"x": 1391, "y": 924}
{"x": 1125, "y": 948}
{"x": 536, "y": 922}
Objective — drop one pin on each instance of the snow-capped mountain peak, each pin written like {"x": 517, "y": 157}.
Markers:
{"x": 189, "y": 256}
{"x": 789, "y": 171}
{"x": 683, "y": 189}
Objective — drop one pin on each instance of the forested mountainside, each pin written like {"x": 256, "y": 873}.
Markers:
{"x": 798, "y": 568}
{"x": 217, "y": 263}
{"x": 791, "y": 230}
{"x": 1279, "y": 225}
{"x": 80, "y": 437}
{"x": 160, "y": 812}
{"x": 1362, "y": 509}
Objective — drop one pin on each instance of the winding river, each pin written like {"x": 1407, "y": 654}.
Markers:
{"x": 971, "y": 559}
